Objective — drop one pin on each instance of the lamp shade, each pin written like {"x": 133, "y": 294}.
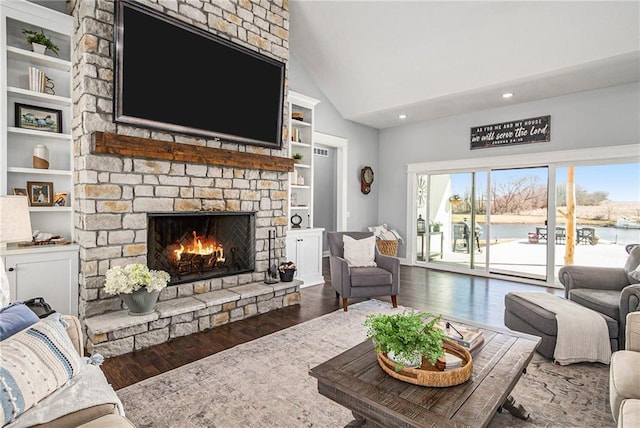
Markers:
{"x": 15, "y": 223}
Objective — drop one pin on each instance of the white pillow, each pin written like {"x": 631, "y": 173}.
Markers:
{"x": 361, "y": 252}
{"x": 378, "y": 231}
{"x": 635, "y": 274}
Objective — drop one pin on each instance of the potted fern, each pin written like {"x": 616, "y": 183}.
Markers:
{"x": 406, "y": 337}
{"x": 39, "y": 41}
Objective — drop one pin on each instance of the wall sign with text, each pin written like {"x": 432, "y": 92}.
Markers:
{"x": 524, "y": 131}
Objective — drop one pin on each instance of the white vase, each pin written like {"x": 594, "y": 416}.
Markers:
{"x": 38, "y": 48}
{"x": 41, "y": 156}
{"x": 414, "y": 362}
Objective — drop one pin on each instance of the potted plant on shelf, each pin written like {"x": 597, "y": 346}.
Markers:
{"x": 287, "y": 270}
{"x": 297, "y": 157}
{"x": 39, "y": 41}
{"x": 406, "y": 337}
{"x": 435, "y": 226}
{"x": 138, "y": 286}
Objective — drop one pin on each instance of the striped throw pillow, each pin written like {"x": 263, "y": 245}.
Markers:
{"x": 34, "y": 363}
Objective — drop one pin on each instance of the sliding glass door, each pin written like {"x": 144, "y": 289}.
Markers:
{"x": 518, "y": 232}
{"x": 452, "y": 211}
{"x": 497, "y": 221}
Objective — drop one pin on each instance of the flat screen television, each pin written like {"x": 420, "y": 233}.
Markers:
{"x": 172, "y": 76}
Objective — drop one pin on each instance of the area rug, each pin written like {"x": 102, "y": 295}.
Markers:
{"x": 265, "y": 383}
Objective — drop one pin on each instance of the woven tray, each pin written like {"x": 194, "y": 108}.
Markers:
{"x": 427, "y": 375}
{"x": 387, "y": 247}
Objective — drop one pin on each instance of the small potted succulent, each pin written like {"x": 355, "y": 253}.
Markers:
{"x": 39, "y": 41}
{"x": 406, "y": 337}
{"x": 297, "y": 157}
{"x": 286, "y": 271}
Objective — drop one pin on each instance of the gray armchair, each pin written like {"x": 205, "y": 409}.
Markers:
{"x": 608, "y": 290}
{"x": 382, "y": 280}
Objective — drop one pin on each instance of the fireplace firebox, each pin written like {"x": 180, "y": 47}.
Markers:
{"x": 197, "y": 246}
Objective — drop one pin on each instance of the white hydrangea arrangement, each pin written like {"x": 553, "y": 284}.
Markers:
{"x": 132, "y": 277}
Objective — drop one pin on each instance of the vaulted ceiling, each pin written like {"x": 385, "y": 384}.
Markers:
{"x": 427, "y": 59}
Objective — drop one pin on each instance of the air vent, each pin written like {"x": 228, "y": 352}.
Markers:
{"x": 320, "y": 152}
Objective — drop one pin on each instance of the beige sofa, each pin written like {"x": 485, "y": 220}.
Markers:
{"x": 624, "y": 377}
{"x": 86, "y": 400}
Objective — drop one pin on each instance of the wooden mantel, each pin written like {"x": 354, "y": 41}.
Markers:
{"x": 125, "y": 145}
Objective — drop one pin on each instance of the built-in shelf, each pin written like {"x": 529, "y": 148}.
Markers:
{"x": 299, "y": 124}
{"x": 17, "y": 143}
{"x": 38, "y": 59}
{"x": 19, "y": 170}
{"x": 39, "y": 96}
{"x": 50, "y": 209}
{"x": 36, "y": 133}
{"x": 298, "y": 144}
{"x": 47, "y": 271}
{"x": 301, "y": 165}
{"x": 300, "y": 207}
{"x": 295, "y": 186}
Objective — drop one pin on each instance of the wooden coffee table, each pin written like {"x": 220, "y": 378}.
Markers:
{"x": 355, "y": 380}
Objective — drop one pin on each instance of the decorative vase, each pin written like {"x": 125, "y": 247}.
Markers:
{"x": 287, "y": 275}
{"x": 141, "y": 302}
{"x": 38, "y": 48}
{"x": 41, "y": 156}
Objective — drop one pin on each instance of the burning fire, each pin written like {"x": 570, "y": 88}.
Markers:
{"x": 201, "y": 246}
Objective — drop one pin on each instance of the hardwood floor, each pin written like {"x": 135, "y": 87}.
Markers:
{"x": 457, "y": 295}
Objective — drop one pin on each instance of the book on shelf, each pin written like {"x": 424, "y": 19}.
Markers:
{"x": 467, "y": 337}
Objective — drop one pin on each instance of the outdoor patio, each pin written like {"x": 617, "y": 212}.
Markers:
{"x": 529, "y": 259}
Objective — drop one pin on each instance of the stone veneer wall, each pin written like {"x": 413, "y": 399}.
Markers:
{"x": 112, "y": 195}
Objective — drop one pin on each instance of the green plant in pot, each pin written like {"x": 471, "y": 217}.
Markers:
{"x": 297, "y": 157}
{"x": 39, "y": 38}
{"x": 407, "y": 336}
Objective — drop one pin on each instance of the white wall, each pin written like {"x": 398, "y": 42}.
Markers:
{"x": 362, "y": 149}
{"x": 606, "y": 117}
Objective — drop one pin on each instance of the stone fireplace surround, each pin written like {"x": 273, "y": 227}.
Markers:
{"x": 114, "y": 191}
{"x": 133, "y": 188}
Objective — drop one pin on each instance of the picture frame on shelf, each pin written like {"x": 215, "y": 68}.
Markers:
{"x": 21, "y": 191}
{"x": 60, "y": 199}
{"x": 38, "y": 118}
{"x": 40, "y": 193}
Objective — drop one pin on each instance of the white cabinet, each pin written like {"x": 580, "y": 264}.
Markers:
{"x": 51, "y": 273}
{"x": 304, "y": 248}
{"x": 18, "y": 101}
{"x": 301, "y": 129}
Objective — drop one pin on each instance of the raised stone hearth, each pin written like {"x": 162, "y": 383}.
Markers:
{"x": 116, "y": 332}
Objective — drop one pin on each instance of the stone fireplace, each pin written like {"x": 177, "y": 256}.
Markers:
{"x": 198, "y": 246}
{"x": 127, "y": 178}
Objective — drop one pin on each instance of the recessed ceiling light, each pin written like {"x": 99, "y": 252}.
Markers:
{"x": 402, "y": 116}
{"x": 507, "y": 95}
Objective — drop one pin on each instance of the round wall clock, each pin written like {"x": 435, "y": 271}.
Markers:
{"x": 296, "y": 220}
{"x": 366, "y": 179}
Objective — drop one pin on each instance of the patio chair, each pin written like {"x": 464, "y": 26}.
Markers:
{"x": 462, "y": 232}
{"x": 586, "y": 235}
{"x": 612, "y": 291}
{"x": 561, "y": 235}
{"x": 350, "y": 281}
